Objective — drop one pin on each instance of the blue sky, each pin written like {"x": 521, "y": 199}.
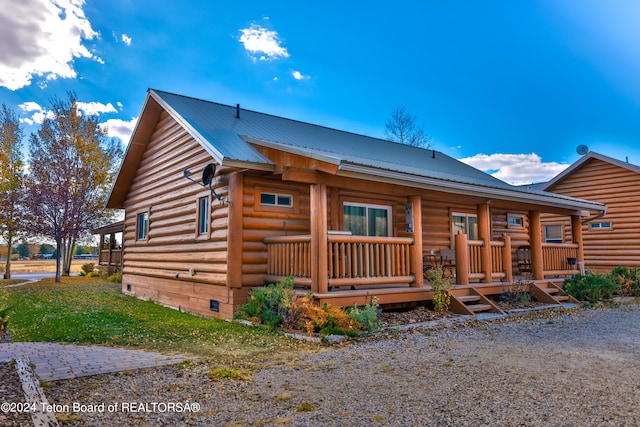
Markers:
{"x": 511, "y": 87}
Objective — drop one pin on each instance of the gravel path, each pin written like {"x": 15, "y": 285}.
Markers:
{"x": 580, "y": 368}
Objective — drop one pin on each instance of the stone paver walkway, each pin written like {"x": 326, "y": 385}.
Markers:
{"x": 62, "y": 361}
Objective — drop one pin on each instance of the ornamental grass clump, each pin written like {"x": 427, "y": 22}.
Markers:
{"x": 441, "y": 288}
{"x": 325, "y": 319}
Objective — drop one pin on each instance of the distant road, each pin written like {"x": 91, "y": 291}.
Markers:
{"x": 35, "y": 276}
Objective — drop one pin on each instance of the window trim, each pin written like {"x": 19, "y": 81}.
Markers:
{"x": 199, "y": 233}
{"x": 283, "y": 191}
{"x": 366, "y": 206}
{"x": 144, "y": 238}
{"x": 600, "y": 226}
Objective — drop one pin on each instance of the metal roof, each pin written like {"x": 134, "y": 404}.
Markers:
{"x": 220, "y": 128}
{"x": 232, "y": 141}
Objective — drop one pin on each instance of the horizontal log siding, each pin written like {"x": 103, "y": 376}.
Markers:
{"x": 618, "y": 189}
{"x": 519, "y": 235}
{"x": 259, "y": 224}
{"x": 158, "y": 267}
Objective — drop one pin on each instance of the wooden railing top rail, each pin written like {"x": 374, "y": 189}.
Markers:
{"x": 495, "y": 243}
{"x": 299, "y": 238}
{"x": 370, "y": 239}
{"x": 560, "y": 245}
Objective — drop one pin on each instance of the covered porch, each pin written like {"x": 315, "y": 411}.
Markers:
{"x": 110, "y": 247}
{"x": 346, "y": 269}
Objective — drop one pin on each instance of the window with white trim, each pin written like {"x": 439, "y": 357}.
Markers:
{"x": 142, "y": 225}
{"x": 367, "y": 220}
{"x": 276, "y": 200}
{"x": 600, "y": 225}
{"x": 203, "y": 215}
{"x": 515, "y": 221}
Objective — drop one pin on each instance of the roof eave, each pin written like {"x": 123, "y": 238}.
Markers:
{"x": 393, "y": 177}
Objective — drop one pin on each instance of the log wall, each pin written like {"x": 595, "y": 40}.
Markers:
{"x": 174, "y": 265}
{"x": 617, "y": 187}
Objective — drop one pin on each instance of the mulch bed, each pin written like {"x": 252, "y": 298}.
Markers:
{"x": 11, "y": 393}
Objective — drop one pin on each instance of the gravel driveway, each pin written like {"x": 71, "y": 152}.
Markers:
{"x": 579, "y": 368}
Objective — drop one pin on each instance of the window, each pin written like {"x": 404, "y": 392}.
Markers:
{"x": 466, "y": 223}
{"x": 553, "y": 233}
{"x": 515, "y": 221}
{"x": 142, "y": 226}
{"x": 367, "y": 220}
{"x": 599, "y": 225}
{"x": 203, "y": 215}
{"x": 274, "y": 199}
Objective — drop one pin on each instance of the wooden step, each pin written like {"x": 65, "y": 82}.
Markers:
{"x": 552, "y": 290}
{"x": 469, "y": 298}
{"x": 562, "y": 297}
{"x": 476, "y": 308}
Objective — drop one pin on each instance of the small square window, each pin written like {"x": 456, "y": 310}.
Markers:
{"x": 142, "y": 226}
{"x": 268, "y": 199}
{"x": 515, "y": 221}
{"x": 553, "y": 233}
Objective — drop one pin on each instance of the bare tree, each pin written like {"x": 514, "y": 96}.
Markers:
{"x": 402, "y": 127}
{"x": 11, "y": 185}
{"x": 72, "y": 165}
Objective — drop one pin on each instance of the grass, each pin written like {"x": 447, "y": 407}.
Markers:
{"x": 91, "y": 311}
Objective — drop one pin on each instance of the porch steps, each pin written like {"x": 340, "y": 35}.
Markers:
{"x": 551, "y": 292}
{"x": 470, "y": 301}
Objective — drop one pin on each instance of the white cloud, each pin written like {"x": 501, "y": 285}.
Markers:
{"x": 121, "y": 129}
{"x": 517, "y": 169}
{"x": 126, "y": 39}
{"x": 30, "y": 106}
{"x": 299, "y": 76}
{"x": 42, "y": 38}
{"x": 96, "y": 108}
{"x": 262, "y": 44}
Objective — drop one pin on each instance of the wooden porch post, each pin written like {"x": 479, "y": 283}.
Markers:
{"x": 416, "y": 250}
{"x": 507, "y": 260}
{"x": 112, "y": 245}
{"x": 319, "y": 244}
{"x": 100, "y": 249}
{"x": 462, "y": 259}
{"x": 484, "y": 233}
{"x": 576, "y": 237}
{"x": 234, "y": 232}
{"x": 535, "y": 242}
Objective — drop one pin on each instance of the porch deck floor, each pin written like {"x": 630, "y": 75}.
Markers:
{"x": 393, "y": 294}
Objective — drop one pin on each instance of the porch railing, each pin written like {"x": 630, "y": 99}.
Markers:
{"x": 352, "y": 260}
{"x": 556, "y": 257}
{"x": 363, "y": 260}
{"x": 498, "y": 268}
{"x": 110, "y": 257}
{"x": 289, "y": 256}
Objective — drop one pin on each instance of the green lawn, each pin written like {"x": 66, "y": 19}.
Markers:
{"x": 91, "y": 311}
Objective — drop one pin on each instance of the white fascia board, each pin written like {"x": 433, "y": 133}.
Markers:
{"x": 392, "y": 177}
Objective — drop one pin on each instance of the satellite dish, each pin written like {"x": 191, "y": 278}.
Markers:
{"x": 582, "y": 150}
{"x": 207, "y": 173}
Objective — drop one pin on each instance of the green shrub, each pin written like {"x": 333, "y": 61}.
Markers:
{"x": 441, "y": 287}
{"x": 269, "y": 305}
{"x": 87, "y": 269}
{"x": 367, "y": 316}
{"x": 591, "y": 288}
{"x": 116, "y": 277}
{"x": 627, "y": 279}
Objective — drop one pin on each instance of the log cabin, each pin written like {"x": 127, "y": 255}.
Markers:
{"x": 611, "y": 239}
{"x": 219, "y": 199}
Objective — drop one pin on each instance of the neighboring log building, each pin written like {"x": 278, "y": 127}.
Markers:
{"x": 610, "y": 240}
{"x": 349, "y": 216}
